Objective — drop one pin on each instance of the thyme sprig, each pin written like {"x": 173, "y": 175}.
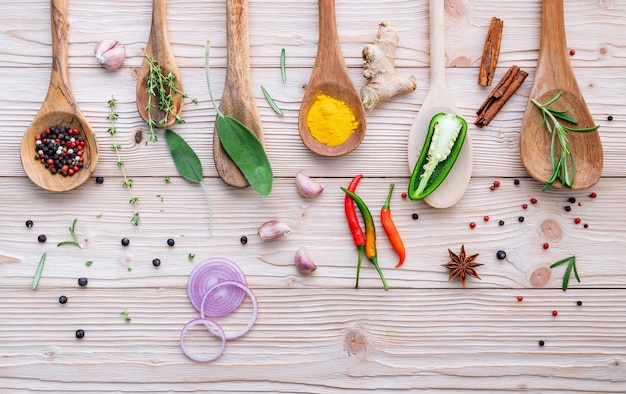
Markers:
{"x": 162, "y": 88}
{"x": 563, "y": 166}
{"x": 74, "y": 240}
{"x": 571, "y": 266}
{"x": 127, "y": 182}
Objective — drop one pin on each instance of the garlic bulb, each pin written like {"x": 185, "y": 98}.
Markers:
{"x": 110, "y": 53}
{"x": 273, "y": 229}
{"x": 307, "y": 187}
{"x": 304, "y": 263}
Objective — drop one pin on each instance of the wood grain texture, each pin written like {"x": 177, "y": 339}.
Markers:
{"x": 315, "y": 334}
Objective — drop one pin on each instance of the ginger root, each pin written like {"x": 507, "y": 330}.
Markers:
{"x": 379, "y": 62}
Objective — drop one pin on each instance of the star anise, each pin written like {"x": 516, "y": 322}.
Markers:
{"x": 461, "y": 265}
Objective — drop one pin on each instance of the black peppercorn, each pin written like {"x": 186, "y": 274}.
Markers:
{"x": 415, "y": 216}
{"x": 585, "y": 225}
{"x": 572, "y": 199}
{"x": 125, "y": 241}
{"x": 609, "y": 118}
{"x": 568, "y": 208}
{"x": 63, "y": 299}
{"x": 80, "y": 334}
{"x": 29, "y": 223}
{"x": 541, "y": 343}
{"x": 501, "y": 222}
{"x": 579, "y": 303}
{"x": 501, "y": 255}
{"x": 516, "y": 182}
{"x": 99, "y": 180}
{"x": 170, "y": 242}
{"x": 520, "y": 219}
{"x": 42, "y": 238}
{"x": 156, "y": 262}
{"x": 82, "y": 282}
{"x": 243, "y": 240}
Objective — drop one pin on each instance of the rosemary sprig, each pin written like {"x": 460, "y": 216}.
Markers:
{"x": 126, "y": 315}
{"x": 39, "y": 270}
{"x": 272, "y": 103}
{"x": 74, "y": 240}
{"x": 283, "y": 68}
{"x": 571, "y": 266}
{"x": 563, "y": 166}
{"x": 127, "y": 182}
{"x": 161, "y": 88}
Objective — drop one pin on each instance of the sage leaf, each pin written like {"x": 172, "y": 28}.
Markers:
{"x": 185, "y": 159}
{"x": 245, "y": 149}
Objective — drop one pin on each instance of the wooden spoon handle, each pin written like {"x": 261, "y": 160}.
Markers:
{"x": 328, "y": 38}
{"x": 59, "y": 89}
{"x": 158, "y": 45}
{"x": 437, "y": 42}
{"x": 553, "y": 40}
{"x": 237, "y": 99}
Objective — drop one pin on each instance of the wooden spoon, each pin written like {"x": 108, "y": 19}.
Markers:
{"x": 237, "y": 99}
{"x": 554, "y": 73}
{"x": 330, "y": 77}
{"x": 58, "y": 109}
{"x": 158, "y": 48}
{"x": 438, "y": 100}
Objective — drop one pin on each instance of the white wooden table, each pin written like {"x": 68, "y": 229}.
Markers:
{"x": 314, "y": 333}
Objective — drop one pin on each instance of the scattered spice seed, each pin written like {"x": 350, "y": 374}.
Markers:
{"x": 156, "y": 262}
{"x": 60, "y": 150}
{"x": 585, "y": 225}
{"x": 243, "y": 240}
{"x": 29, "y": 223}
{"x": 609, "y": 118}
{"x": 63, "y": 299}
{"x": 580, "y": 204}
{"x": 80, "y": 334}
{"x": 99, "y": 180}
{"x": 546, "y": 245}
{"x": 593, "y": 195}
{"x": 501, "y": 222}
{"x": 486, "y": 218}
{"x": 496, "y": 183}
{"x": 577, "y": 220}
{"x": 170, "y": 242}
{"x": 492, "y": 188}
{"x": 501, "y": 255}
{"x": 541, "y": 343}
{"x": 520, "y": 298}
{"x": 579, "y": 303}
{"x": 415, "y": 216}
{"x": 572, "y": 200}
{"x": 555, "y": 313}
{"x": 82, "y": 282}
{"x": 125, "y": 242}
{"x": 520, "y": 219}
{"x": 516, "y": 182}
{"x": 524, "y": 206}
{"x": 533, "y": 200}
{"x": 568, "y": 208}
{"x": 572, "y": 52}
{"x": 42, "y": 238}
{"x": 472, "y": 224}
{"x": 403, "y": 195}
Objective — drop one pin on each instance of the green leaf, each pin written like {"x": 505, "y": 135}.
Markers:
{"x": 283, "y": 68}
{"x": 272, "y": 103}
{"x": 39, "y": 270}
{"x": 185, "y": 159}
{"x": 245, "y": 149}
{"x": 563, "y": 115}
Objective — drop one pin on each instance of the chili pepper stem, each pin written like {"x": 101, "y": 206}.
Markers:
{"x": 361, "y": 249}
{"x": 374, "y": 261}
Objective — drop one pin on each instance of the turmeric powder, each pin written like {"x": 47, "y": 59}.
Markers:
{"x": 331, "y": 121}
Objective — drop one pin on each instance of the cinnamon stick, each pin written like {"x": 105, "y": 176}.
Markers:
{"x": 491, "y": 52}
{"x": 503, "y": 91}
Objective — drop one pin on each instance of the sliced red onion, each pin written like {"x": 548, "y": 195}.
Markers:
{"x": 229, "y": 285}
{"x": 205, "y": 276}
{"x": 216, "y": 331}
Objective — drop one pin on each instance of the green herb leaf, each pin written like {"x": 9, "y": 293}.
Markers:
{"x": 247, "y": 152}
{"x": 571, "y": 266}
{"x": 283, "y": 68}
{"x": 39, "y": 270}
{"x": 185, "y": 159}
{"x": 88, "y": 263}
{"x": 272, "y": 103}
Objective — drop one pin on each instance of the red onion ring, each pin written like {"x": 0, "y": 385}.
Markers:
{"x": 230, "y": 284}
{"x": 205, "y": 276}
{"x": 218, "y": 331}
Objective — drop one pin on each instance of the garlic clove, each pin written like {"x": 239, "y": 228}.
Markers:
{"x": 110, "y": 53}
{"x": 273, "y": 229}
{"x": 304, "y": 263}
{"x": 308, "y": 187}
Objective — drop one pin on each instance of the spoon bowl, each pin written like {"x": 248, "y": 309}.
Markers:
{"x": 330, "y": 77}
{"x": 438, "y": 100}
{"x": 158, "y": 48}
{"x": 58, "y": 109}
{"x": 554, "y": 73}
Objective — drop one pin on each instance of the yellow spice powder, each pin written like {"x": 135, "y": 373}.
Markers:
{"x": 331, "y": 121}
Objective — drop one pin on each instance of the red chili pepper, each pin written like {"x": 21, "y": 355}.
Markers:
{"x": 370, "y": 233}
{"x": 390, "y": 228}
{"x": 355, "y": 228}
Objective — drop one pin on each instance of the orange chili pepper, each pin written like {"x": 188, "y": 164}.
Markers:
{"x": 390, "y": 228}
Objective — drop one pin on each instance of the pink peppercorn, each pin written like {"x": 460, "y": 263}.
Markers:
{"x": 554, "y": 313}
{"x": 472, "y": 224}
{"x": 572, "y": 52}
{"x": 546, "y": 245}
{"x": 524, "y": 206}
{"x": 577, "y": 220}
{"x": 404, "y": 195}
{"x": 533, "y": 200}
{"x": 520, "y": 298}
{"x": 486, "y": 218}
{"x": 593, "y": 195}
{"x": 496, "y": 183}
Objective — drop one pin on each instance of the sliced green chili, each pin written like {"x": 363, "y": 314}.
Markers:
{"x": 272, "y": 103}
{"x": 444, "y": 140}
{"x": 39, "y": 270}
